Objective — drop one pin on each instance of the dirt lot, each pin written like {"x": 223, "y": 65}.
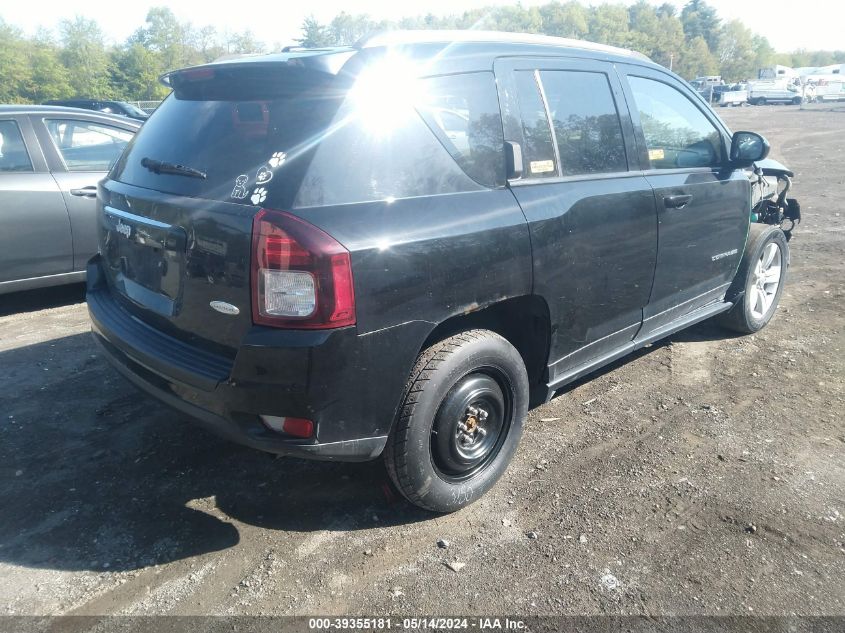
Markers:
{"x": 705, "y": 475}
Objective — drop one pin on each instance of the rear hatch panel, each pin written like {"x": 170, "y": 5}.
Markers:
{"x": 166, "y": 258}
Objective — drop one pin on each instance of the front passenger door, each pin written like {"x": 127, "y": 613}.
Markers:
{"x": 703, "y": 206}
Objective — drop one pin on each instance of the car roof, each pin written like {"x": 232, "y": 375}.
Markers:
{"x": 48, "y": 109}
{"x": 443, "y": 50}
{"x": 528, "y": 40}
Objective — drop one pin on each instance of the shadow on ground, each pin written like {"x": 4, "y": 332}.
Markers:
{"x": 95, "y": 475}
{"x": 41, "y": 299}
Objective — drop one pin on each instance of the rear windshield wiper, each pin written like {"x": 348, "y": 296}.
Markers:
{"x": 161, "y": 167}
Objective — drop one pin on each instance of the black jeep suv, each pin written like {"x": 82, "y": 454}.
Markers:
{"x": 398, "y": 247}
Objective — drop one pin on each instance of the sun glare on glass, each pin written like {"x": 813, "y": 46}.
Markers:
{"x": 385, "y": 93}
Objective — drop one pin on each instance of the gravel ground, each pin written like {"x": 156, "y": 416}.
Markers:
{"x": 703, "y": 475}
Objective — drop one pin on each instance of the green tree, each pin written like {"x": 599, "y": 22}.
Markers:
{"x": 736, "y": 53}
{"x": 244, "y": 43}
{"x": 764, "y": 54}
{"x": 314, "y": 34}
{"x": 700, "y": 20}
{"x": 346, "y": 29}
{"x": 15, "y": 71}
{"x": 609, "y": 25}
{"x": 172, "y": 41}
{"x": 136, "y": 72}
{"x": 667, "y": 9}
{"x": 565, "y": 20}
{"x": 84, "y": 55}
{"x": 48, "y": 79}
{"x": 697, "y": 60}
{"x": 206, "y": 43}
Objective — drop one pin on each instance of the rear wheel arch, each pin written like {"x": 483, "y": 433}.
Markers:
{"x": 523, "y": 321}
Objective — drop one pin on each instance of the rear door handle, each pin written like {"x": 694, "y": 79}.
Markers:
{"x": 677, "y": 202}
{"x": 85, "y": 192}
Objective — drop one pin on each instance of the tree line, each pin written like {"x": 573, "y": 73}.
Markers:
{"x": 76, "y": 61}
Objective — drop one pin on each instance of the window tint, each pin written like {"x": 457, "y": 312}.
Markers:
{"x": 463, "y": 111}
{"x": 358, "y": 163}
{"x": 13, "y": 154}
{"x": 677, "y": 133}
{"x": 292, "y": 138}
{"x": 86, "y": 146}
{"x": 586, "y": 123}
{"x": 241, "y": 126}
{"x": 539, "y": 152}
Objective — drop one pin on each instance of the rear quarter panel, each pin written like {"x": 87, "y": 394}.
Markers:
{"x": 430, "y": 258}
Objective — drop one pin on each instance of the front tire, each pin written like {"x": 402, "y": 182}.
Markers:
{"x": 758, "y": 284}
{"x": 460, "y": 421}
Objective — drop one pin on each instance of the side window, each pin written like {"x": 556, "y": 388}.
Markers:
{"x": 87, "y": 146}
{"x": 677, "y": 134}
{"x": 539, "y": 152}
{"x": 463, "y": 112}
{"x": 13, "y": 154}
{"x": 586, "y": 123}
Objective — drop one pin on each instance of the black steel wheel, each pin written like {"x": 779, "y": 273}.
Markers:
{"x": 469, "y": 427}
{"x": 460, "y": 421}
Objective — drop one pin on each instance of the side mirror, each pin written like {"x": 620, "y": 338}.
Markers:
{"x": 747, "y": 148}
{"x": 513, "y": 157}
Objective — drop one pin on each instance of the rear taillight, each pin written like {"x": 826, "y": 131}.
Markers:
{"x": 301, "y": 276}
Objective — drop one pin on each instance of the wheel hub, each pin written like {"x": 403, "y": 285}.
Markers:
{"x": 469, "y": 426}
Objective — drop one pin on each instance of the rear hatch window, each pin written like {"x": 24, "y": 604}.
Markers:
{"x": 234, "y": 126}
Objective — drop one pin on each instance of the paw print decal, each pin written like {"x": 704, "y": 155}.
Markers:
{"x": 259, "y": 195}
{"x": 277, "y": 159}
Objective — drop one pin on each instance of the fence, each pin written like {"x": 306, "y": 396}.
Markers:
{"x": 146, "y": 106}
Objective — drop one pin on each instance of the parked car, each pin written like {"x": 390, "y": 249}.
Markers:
{"x": 51, "y": 159}
{"x": 295, "y": 253}
{"x": 109, "y": 107}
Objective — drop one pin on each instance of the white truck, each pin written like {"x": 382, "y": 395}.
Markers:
{"x": 735, "y": 95}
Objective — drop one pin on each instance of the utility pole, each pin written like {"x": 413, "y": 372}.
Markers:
{"x": 671, "y": 59}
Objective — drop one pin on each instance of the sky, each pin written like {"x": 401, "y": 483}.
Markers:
{"x": 788, "y": 24}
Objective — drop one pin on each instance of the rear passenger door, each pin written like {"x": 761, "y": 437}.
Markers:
{"x": 35, "y": 235}
{"x": 703, "y": 205}
{"x": 591, "y": 215}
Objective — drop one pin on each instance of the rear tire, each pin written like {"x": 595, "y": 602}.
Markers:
{"x": 460, "y": 421}
{"x": 758, "y": 284}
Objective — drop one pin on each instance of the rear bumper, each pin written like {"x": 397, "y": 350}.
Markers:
{"x": 360, "y": 449}
{"x": 349, "y": 385}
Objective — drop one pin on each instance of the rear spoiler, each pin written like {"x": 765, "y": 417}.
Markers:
{"x": 326, "y": 60}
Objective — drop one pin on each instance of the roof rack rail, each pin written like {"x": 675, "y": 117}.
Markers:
{"x": 423, "y": 36}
